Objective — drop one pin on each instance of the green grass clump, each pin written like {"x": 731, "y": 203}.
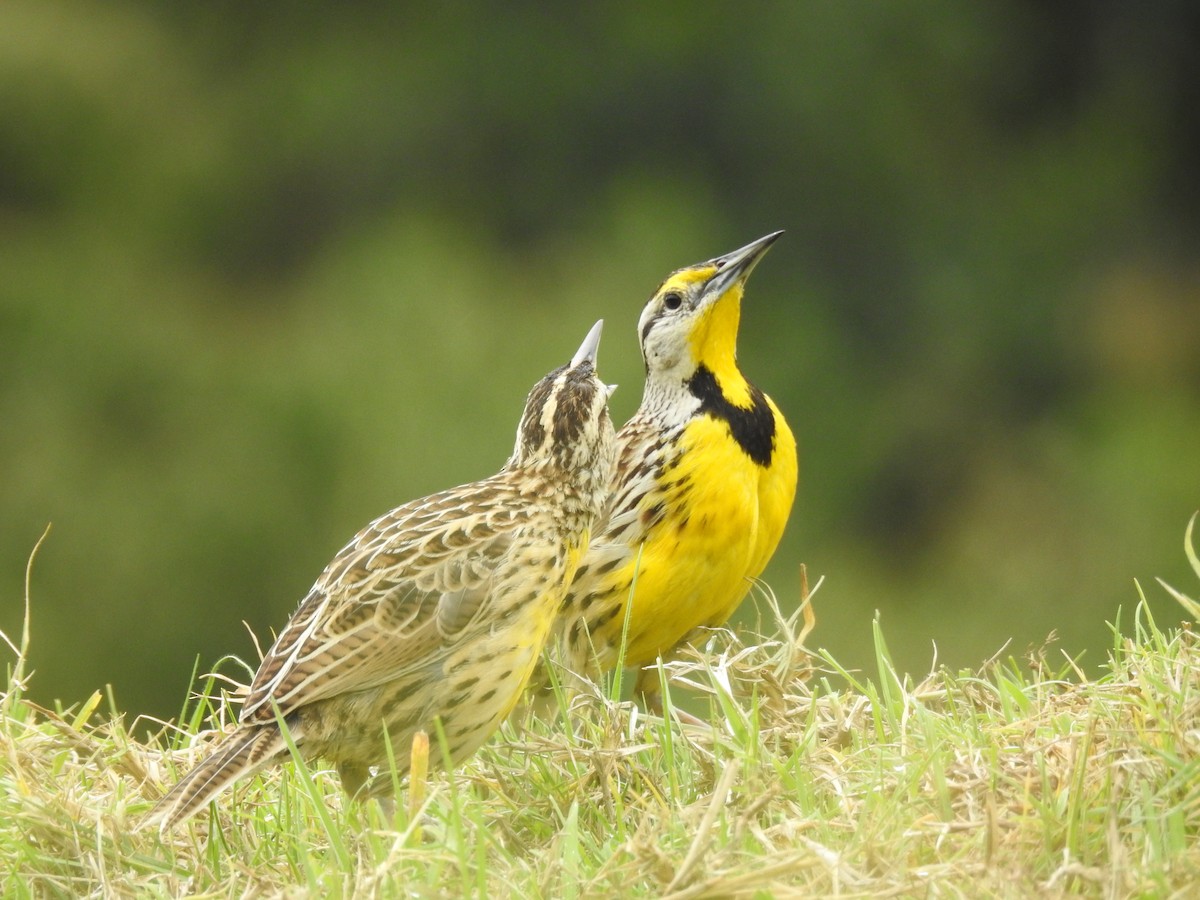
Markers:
{"x": 1023, "y": 778}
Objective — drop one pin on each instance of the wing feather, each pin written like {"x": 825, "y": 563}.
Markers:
{"x": 391, "y": 600}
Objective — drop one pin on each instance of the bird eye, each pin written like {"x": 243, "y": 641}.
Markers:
{"x": 672, "y": 301}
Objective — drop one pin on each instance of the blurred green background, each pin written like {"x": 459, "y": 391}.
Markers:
{"x": 268, "y": 270}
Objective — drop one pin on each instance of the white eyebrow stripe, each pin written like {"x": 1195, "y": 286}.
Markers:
{"x": 546, "y": 419}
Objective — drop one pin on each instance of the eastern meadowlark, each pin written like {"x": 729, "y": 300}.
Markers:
{"x": 437, "y": 610}
{"x": 706, "y": 476}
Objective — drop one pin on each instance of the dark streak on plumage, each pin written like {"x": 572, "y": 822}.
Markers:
{"x": 653, "y": 515}
{"x": 648, "y": 327}
{"x": 753, "y": 428}
{"x": 574, "y": 398}
{"x": 653, "y": 319}
{"x": 532, "y": 432}
{"x": 575, "y": 406}
{"x": 608, "y": 565}
{"x": 605, "y": 617}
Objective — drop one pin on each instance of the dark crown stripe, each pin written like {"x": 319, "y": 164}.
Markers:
{"x": 753, "y": 428}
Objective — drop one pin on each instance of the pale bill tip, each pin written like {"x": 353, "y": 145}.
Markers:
{"x": 591, "y": 343}
{"x": 752, "y": 252}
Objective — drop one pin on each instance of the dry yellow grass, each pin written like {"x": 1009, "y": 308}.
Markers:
{"x": 1020, "y": 779}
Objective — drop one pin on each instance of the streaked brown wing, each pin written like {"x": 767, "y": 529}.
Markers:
{"x": 389, "y": 603}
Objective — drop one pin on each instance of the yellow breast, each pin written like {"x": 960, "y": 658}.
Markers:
{"x": 723, "y": 517}
{"x": 537, "y": 609}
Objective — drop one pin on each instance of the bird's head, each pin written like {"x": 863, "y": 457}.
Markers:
{"x": 566, "y": 423}
{"x": 692, "y": 319}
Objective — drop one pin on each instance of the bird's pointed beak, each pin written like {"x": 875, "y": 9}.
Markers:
{"x": 734, "y": 268}
{"x": 588, "y": 349}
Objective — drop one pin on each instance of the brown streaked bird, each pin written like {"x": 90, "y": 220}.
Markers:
{"x": 437, "y": 610}
{"x": 706, "y": 476}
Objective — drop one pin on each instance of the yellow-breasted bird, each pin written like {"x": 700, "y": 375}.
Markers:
{"x": 437, "y": 610}
{"x": 706, "y": 476}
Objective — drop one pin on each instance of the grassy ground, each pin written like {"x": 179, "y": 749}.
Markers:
{"x": 1021, "y": 779}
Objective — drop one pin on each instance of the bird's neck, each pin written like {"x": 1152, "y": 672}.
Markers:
{"x": 714, "y": 347}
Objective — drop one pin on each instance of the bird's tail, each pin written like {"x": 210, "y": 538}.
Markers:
{"x": 244, "y": 752}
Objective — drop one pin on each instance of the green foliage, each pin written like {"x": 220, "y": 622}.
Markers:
{"x": 267, "y": 272}
{"x": 1192, "y": 607}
